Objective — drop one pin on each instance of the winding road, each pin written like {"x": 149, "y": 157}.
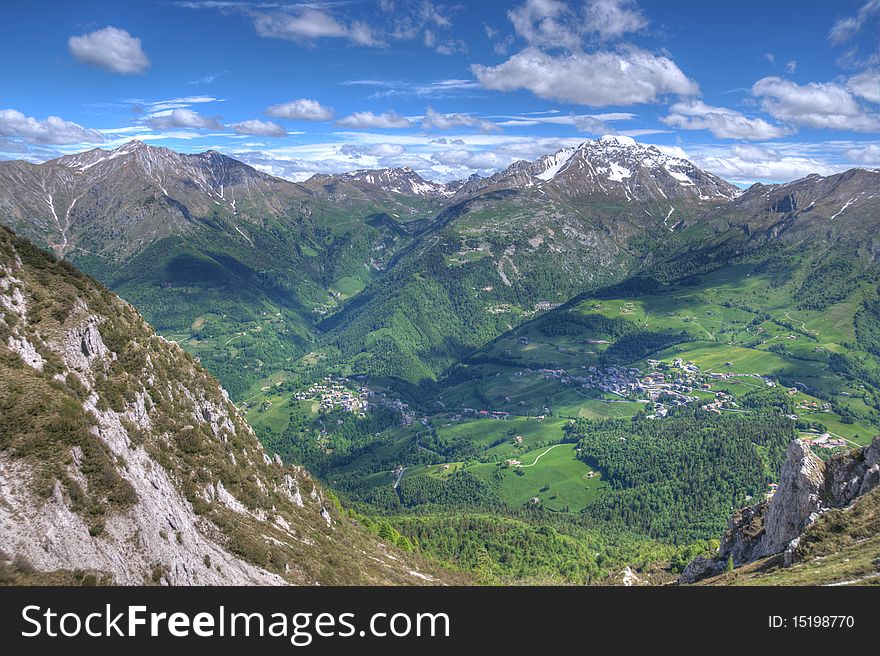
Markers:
{"x": 541, "y": 455}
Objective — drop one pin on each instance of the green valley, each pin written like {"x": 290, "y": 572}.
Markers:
{"x": 551, "y": 363}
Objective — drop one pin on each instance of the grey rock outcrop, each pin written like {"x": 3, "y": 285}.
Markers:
{"x": 807, "y": 488}
{"x": 795, "y": 505}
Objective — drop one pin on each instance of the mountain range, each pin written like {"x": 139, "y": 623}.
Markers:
{"x": 449, "y": 310}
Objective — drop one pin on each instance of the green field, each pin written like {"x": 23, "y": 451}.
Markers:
{"x": 558, "y": 479}
{"x": 486, "y": 432}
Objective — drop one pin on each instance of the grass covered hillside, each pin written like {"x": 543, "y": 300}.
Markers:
{"x": 124, "y": 461}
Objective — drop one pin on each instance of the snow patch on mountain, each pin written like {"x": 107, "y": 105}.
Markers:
{"x": 554, "y": 163}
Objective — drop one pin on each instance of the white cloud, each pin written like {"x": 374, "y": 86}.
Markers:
{"x": 473, "y": 160}
{"x": 302, "y": 109}
{"x": 256, "y": 126}
{"x": 363, "y": 35}
{"x": 10, "y": 146}
{"x": 611, "y": 19}
{"x": 847, "y": 27}
{"x": 436, "y": 89}
{"x": 867, "y": 154}
{"x": 429, "y": 13}
{"x": 546, "y": 23}
{"x": 53, "y": 130}
{"x": 163, "y": 107}
{"x": 376, "y": 150}
{"x": 112, "y": 49}
{"x": 552, "y": 24}
{"x": 208, "y": 79}
{"x": 305, "y": 25}
{"x": 365, "y": 120}
{"x": 791, "y": 66}
{"x": 592, "y": 123}
{"x": 183, "y": 118}
{"x": 307, "y": 22}
{"x": 749, "y": 164}
{"x": 866, "y": 85}
{"x": 816, "y": 105}
{"x": 436, "y": 120}
{"x": 721, "y": 122}
{"x": 782, "y": 161}
{"x": 595, "y": 79}
{"x": 310, "y": 23}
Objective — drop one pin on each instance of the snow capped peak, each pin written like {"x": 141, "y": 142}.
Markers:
{"x": 131, "y": 146}
{"x": 402, "y": 180}
{"x": 619, "y": 139}
{"x": 612, "y": 166}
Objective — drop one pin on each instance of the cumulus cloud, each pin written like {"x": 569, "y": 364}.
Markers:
{"x": 867, "y": 154}
{"x": 183, "y": 118}
{"x": 611, "y": 19}
{"x": 847, "y": 27}
{"x": 111, "y": 49}
{"x": 746, "y": 164}
{"x": 595, "y": 79}
{"x": 547, "y": 23}
{"x": 302, "y": 109}
{"x": 305, "y": 25}
{"x": 721, "y": 122}
{"x": 866, "y": 85}
{"x": 473, "y": 160}
{"x": 310, "y": 23}
{"x": 366, "y": 120}
{"x": 256, "y": 126}
{"x": 816, "y": 105}
{"x": 436, "y": 120}
{"x": 782, "y": 161}
{"x": 53, "y": 130}
{"x": 554, "y": 24}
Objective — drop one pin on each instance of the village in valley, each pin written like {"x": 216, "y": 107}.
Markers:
{"x": 340, "y": 394}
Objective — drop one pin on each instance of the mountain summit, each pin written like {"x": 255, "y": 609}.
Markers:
{"x": 398, "y": 180}
{"x": 611, "y": 167}
{"x": 86, "y": 201}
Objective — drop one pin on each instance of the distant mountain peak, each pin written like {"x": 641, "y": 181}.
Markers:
{"x": 131, "y": 146}
{"x": 619, "y": 139}
{"x": 401, "y": 180}
{"x": 612, "y": 166}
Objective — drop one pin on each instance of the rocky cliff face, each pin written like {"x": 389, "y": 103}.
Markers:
{"x": 122, "y": 460}
{"x": 808, "y": 488}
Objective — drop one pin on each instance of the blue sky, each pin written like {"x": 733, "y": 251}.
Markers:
{"x": 752, "y": 91}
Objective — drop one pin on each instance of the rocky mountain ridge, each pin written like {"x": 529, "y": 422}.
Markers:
{"x": 82, "y": 202}
{"x": 122, "y": 461}
{"x": 808, "y": 488}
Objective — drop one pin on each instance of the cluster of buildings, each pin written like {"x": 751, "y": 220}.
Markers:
{"x": 334, "y": 394}
{"x": 814, "y": 406}
{"x": 827, "y": 441}
{"x": 664, "y": 386}
{"x": 407, "y": 415}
